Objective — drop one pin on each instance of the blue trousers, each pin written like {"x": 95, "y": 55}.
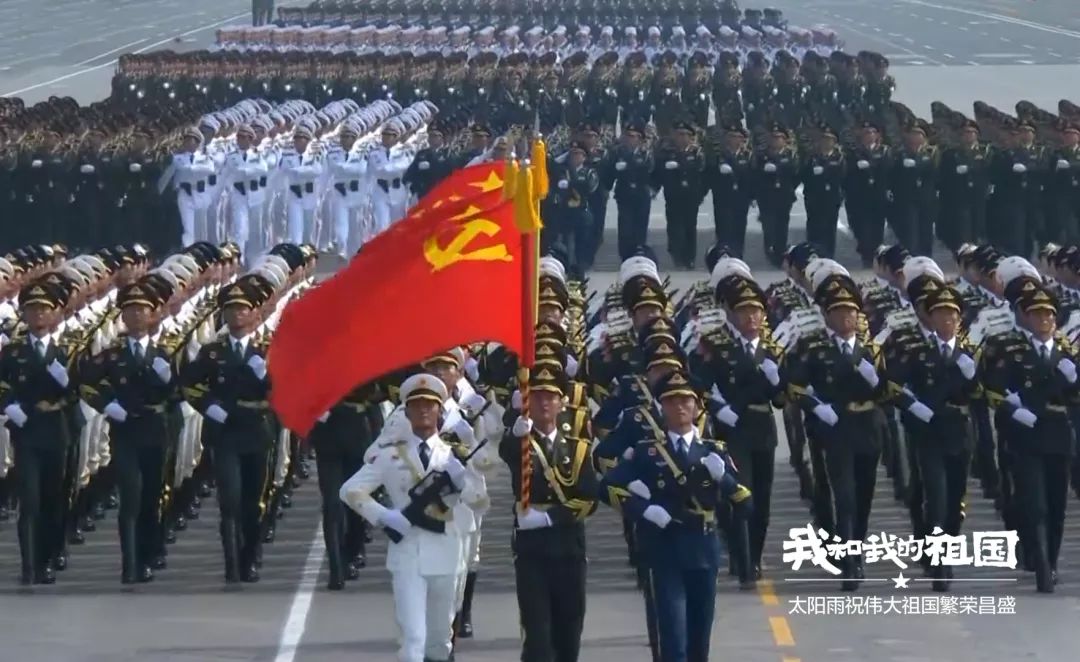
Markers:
{"x": 684, "y": 600}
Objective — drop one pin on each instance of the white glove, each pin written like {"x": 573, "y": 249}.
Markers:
{"x": 826, "y": 414}
{"x": 715, "y": 464}
{"x": 456, "y": 470}
{"x": 257, "y": 365}
{"x": 716, "y": 396}
{"x": 868, "y": 373}
{"x": 725, "y": 169}
{"x": 1019, "y": 168}
{"x": 15, "y": 414}
{"x": 909, "y": 163}
{"x": 771, "y": 370}
{"x": 620, "y": 165}
{"x": 161, "y": 367}
{"x": 921, "y": 411}
{"x": 727, "y": 416}
{"x": 135, "y": 167}
{"x": 1013, "y": 399}
{"x": 1025, "y": 417}
{"x": 564, "y": 184}
{"x": 628, "y": 454}
{"x": 515, "y": 400}
{"x": 818, "y": 170}
{"x": 671, "y": 165}
{"x": 464, "y": 432}
{"x": 862, "y": 164}
{"x": 423, "y": 165}
{"x": 571, "y": 367}
{"x": 216, "y": 413}
{"x": 473, "y": 403}
{"x": 1067, "y": 368}
{"x": 533, "y": 519}
{"x": 966, "y": 365}
{"x": 59, "y": 373}
{"x": 638, "y": 488}
{"x": 116, "y": 411}
{"x": 393, "y": 519}
{"x": 1062, "y": 164}
{"x": 769, "y": 167}
{"x": 472, "y": 369}
{"x": 522, "y": 426}
{"x": 961, "y": 169}
{"x": 325, "y": 417}
{"x": 657, "y": 515}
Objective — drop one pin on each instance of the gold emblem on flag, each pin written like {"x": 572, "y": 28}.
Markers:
{"x": 441, "y": 257}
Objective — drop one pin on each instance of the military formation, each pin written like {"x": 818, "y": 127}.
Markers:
{"x": 120, "y": 390}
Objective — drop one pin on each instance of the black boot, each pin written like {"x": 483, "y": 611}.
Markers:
{"x": 335, "y": 559}
{"x": 27, "y": 550}
{"x": 1044, "y": 576}
{"x": 230, "y": 541}
{"x": 466, "y": 631}
{"x": 129, "y": 561}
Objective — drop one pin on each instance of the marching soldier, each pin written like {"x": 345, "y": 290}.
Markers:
{"x": 964, "y": 180}
{"x": 865, "y": 190}
{"x": 913, "y": 191}
{"x": 549, "y": 535}
{"x": 731, "y": 183}
{"x": 341, "y": 438}
{"x": 430, "y": 165}
{"x": 423, "y": 480}
{"x": 227, "y": 383}
{"x": 575, "y": 183}
{"x": 35, "y": 392}
{"x": 836, "y": 377}
{"x": 776, "y": 176}
{"x": 822, "y": 175}
{"x": 1017, "y": 177}
{"x": 679, "y": 172}
{"x": 671, "y": 487}
{"x": 628, "y": 171}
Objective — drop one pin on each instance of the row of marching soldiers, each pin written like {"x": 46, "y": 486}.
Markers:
{"x": 423, "y": 476}
{"x": 939, "y": 378}
{"x": 116, "y": 390}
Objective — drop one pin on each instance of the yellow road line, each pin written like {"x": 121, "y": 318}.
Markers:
{"x": 791, "y": 659}
{"x": 781, "y": 631}
{"x": 768, "y": 595}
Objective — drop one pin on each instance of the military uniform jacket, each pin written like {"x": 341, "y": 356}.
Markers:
{"x": 822, "y": 176}
{"x": 680, "y": 173}
{"x": 581, "y": 183}
{"x": 739, "y": 379}
{"x": 867, "y": 174}
{"x": 730, "y": 174}
{"x": 25, "y": 380}
{"x": 964, "y": 174}
{"x": 218, "y": 376}
{"x": 684, "y": 488}
{"x": 917, "y": 370}
{"x": 117, "y": 375}
{"x": 429, "y": 167}
{"x": 776, "y": 187}
{"x": 564, "y": 485}
{"x": 819, "y": 373}
{"x": 628, "y": 171}
{"x": 1010, "y": 363}
{"x": 914, "y": 175}
{"x": 353, "y": 423}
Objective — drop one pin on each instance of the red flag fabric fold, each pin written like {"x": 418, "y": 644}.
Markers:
{"x": 430, "y": 282}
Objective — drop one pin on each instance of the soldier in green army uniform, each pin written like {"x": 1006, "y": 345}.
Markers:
{"x": 775, "y": 178}
{"x": 228, "y": 384}
{"x": 548, "y": 540}
{"x": 1030, "y": 375}
{"x": 836, "y": 377}
{"x": 913, "y": 176}
{"x": 132, "y": 384}
{"x": 822, "y": 173}
{"x": 679, "y": 170}
{"x": 964, "y": 181}
{"x": 937, "y": 382}
{"x": 35, "y": 394}
{"x": 745, "y": 371}
{"x": 729, "y": 177}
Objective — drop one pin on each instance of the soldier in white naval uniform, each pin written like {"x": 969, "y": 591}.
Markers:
{"x": 424, "y": 564}
{"x": 386, "y": 167}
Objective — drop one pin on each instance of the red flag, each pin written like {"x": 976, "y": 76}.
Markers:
{"x": 428, "y": 283}
{"x": 463, "y": 184}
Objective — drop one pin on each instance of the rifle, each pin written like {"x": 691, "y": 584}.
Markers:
{"x": 428, "y": 491}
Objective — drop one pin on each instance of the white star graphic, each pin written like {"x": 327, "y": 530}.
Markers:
{"x": 901, "y": 581}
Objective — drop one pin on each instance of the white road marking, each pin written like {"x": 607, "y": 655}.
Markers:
{"x": 101, "y": 55}
{"x": 1025, "y": 62}
{"x": 1000, "y": 55}
{"x": 1042, "y": 27}
{"x": 1053, "y": 54}
{"x": 973, "y": 63}
{"x": 60, "y": 79}
{"x": 963, "y": 29}
{"x": 948, "y": 56}
{"x": 1006, "y": 40}
{"x": 928, "y": 47}
{"x": 1030, "y": 48}
{"x": 293, "y": 629}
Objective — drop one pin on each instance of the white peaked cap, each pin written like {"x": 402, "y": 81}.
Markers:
{"x": 922, "y": 266}
{"x": 729, "y": 266}
{"x": 639, "y": 265}
{"x": 549, "y": 266}
{"x": 1013, "y": 267}
{"x": 820, "y": 269}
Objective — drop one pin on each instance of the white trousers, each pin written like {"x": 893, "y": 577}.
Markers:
{"x": 192, "y": 218}
{"x": 299, "y": 223}
{"x": 425, "y": 614}
{"x": 342, "y": 215}
{"x": 470, "y": 562}
{"x": 240, "y": 213}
